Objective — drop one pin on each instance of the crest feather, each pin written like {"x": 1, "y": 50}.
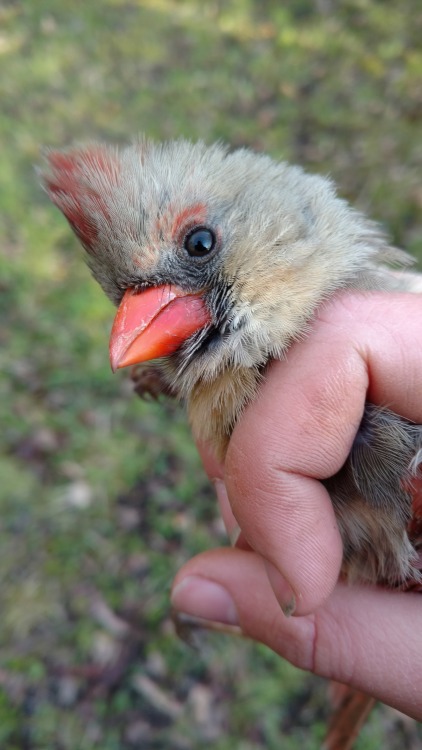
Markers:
{"x": 78, "y": 181}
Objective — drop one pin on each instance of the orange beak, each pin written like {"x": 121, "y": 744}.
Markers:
{"x": 154, "y": 323}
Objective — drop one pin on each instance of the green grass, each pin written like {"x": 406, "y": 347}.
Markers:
{"x": 102, "y": 496}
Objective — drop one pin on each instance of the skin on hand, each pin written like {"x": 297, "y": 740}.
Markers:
{"x": 298, "y": 431}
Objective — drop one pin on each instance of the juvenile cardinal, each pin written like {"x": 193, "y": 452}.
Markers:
{"x": 217, "y": 261}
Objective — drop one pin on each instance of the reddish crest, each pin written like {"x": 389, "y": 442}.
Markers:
{"x": 77, "y": 182}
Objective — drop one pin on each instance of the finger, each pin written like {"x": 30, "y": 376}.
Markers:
{"x": 366, "y": 637}
{"x": 213, "y": 467}
{"x": 386, "y": 330}
{"x": 215, "y": 471}
{"x": 300, "y": 430}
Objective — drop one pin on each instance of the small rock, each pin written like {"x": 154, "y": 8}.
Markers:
{"x": 105, "y": 649}
{"x": 78, "y": 495}
{"x": 156, "y": 665}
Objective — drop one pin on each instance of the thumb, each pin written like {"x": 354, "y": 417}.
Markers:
{"x": 363, "y": 636}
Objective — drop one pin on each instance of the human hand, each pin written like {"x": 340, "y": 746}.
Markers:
{"x": 299, "y": 431}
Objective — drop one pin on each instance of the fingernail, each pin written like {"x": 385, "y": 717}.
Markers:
{"x": 234, "y": 535}
{"x": 282, "y": 589}
{"x": 201, "y": 597}
{"x": 221, "y": 492}
{"x": 232, "y": 528}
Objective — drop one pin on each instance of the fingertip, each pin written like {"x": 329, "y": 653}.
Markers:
{"x": 289, "y": 520}
{"x": 229, "y": 586}
{"x": 282, "y": 590}
{"x": 200, "y": 597}
{"x": 305, "y": 590}
{"x": 213, "y": 467}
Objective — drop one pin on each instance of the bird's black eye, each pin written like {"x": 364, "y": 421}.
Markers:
{"x": 199, "y": 242}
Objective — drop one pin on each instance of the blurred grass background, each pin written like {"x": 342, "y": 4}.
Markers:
{"x": 102, "y": 496}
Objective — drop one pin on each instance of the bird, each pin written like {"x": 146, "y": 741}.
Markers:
{"x": 218, "y": 260}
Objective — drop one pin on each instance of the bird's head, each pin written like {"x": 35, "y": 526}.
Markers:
{"x": 216, "y": 259}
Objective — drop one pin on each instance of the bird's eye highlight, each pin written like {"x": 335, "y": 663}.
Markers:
{"x": 199, "y": 242}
